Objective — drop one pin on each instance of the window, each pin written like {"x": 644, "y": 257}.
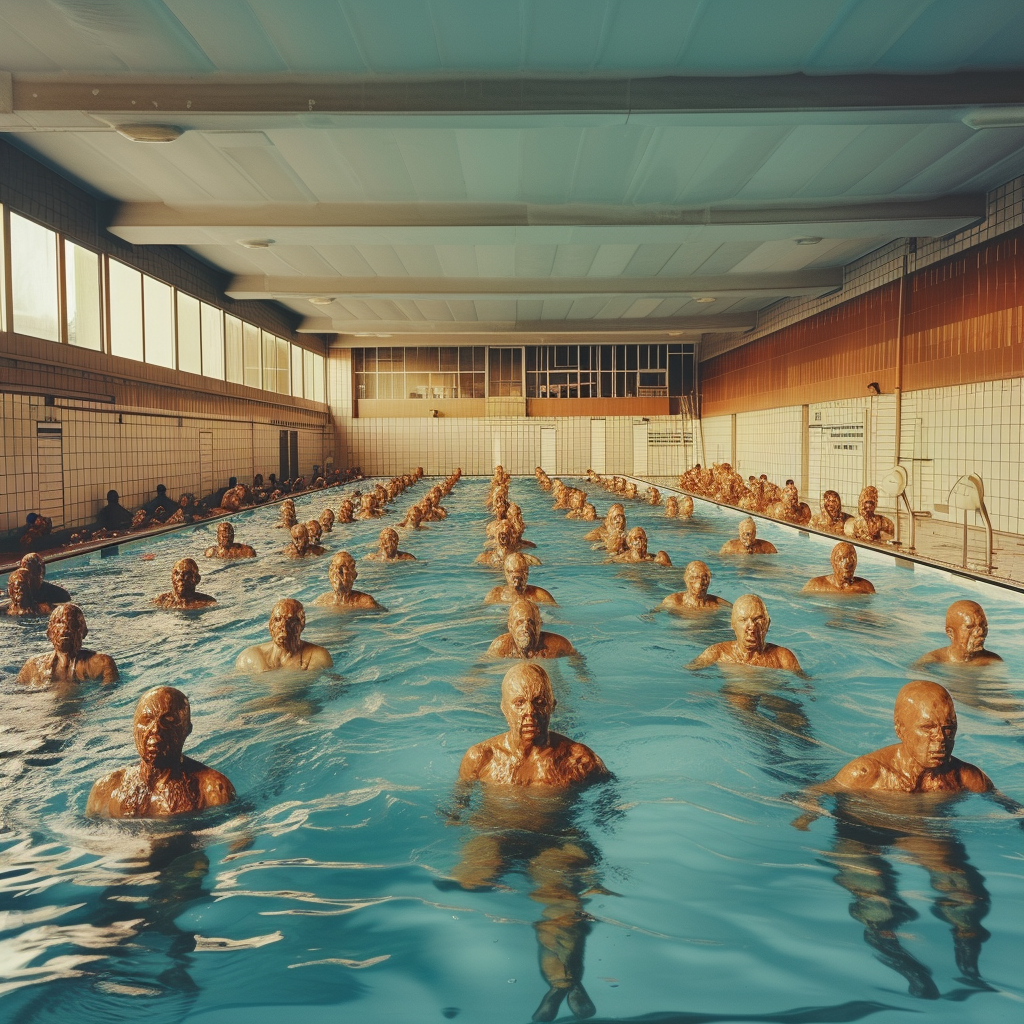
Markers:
{"x": 297, "y": 371}
{"x": 34, "y": 279}
{"x": 82, "y": 281}
{"x": 319, "y": 365}
{"x": 283, "y": 366}
{"x": 213, "y": 341}
{"x": 505, "y": 373}
{"x": 563, "y": 371}
{"x": 125, "y": 310}
{"x": 251, "y": 370}
{"x": 158, "y": 320}
{"x": 234, "y": 367}
{"x": 190, "y": 346}
{"x": 3, "y": 275}
{"x": 609, "y": 371}
{"x": 307, "y": 374}
{"x": 269, "y": 361}
{"x": 428, "y": 373}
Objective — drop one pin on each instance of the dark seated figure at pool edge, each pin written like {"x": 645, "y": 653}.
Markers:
{"x": 517, "y": 573}
{"x": 695, "y": 598}
{"x": 750, "y": 623}
{"x": 747, "y": 542}
{"x": 286, "y": 649}
{"x": 342, "y": 574}
{"x": 887, "y": 803}
{"x": 183, "y": 595}
{"x": 42, "y": 591}
{"x": 164, "y": 782}
{"x": 525, "y": 638}
{"x": 967, "y": 629}
{"x": 843, "y": 578}
{"x": 387, "y": 548}
{"x": 528, "y": 776}
{"x": 226, "y": 546}
{"x": 69, "y": 662}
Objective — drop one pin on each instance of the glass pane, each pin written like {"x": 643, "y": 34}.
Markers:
{"x": 370, "y": 355}
{"x": 82, "y": 277}
{"x": 3, "y": 276}
{"x": 159, "y": 316}
{"x": 213, "y": 341}
{"x": 190, "y": 348}
{"x": 34, "y": 278}
{"x": 449, "y": 360}
{"x": 318, "y": 378}
{"x": 417, "y": 385}
{"x": 296, "y": 371}
{"x": 252, "y": 376}
{"x": 366, "y": 385}
{"x": 307, "y": 374}
{"x": 234, "y": 365}
{"x": 269, "y": 362}
{"x": 283, "y": 367}
{"x": 125, "y": 310}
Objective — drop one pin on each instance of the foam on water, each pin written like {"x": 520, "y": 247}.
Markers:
{"x": 316, "y": 894}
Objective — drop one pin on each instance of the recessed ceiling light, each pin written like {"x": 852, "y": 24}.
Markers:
{"x": 321, "y": 300}
{"x": 706, "y": 298}
{"x": 809, "y": 240}
{"x": 255, "y": 243}
{"x": 366, "y": 335}
{"x": 150, "y": 132}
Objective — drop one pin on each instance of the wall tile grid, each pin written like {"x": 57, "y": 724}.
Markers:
{"x": 129, "y": 451}
{"x": 947, "y": 433}
{"x": 1005, "y": 213}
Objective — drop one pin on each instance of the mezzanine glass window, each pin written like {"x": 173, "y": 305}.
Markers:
{"x": 426, "y": 372}
{"x": 34, "y": 279}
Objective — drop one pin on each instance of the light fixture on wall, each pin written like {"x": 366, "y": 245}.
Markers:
{"x": 995, "y": 117}
{"x": 255, "y": 243}
{"x": 808, "y": 240}
{"x": 321, "y": 300}
{"x": 873, "y": 388}
{"x": 706, "y": 298}
{"x": 149, "y": 132}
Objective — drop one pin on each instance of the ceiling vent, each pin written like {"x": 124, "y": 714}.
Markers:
{"x": 150, "y": 132}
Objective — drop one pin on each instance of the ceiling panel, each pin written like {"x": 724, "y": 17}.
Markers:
{"x": 229, "y": 33}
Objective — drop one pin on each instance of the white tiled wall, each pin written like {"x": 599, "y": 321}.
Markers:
{"x": 946, "y": 433}
{"x": 130, "y": 452}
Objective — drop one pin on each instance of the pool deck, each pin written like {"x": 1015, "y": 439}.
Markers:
{"x": 939, "y": 544}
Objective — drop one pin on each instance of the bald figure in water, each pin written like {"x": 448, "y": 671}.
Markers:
{"x": 185, "y": 578}
{"x": 342, "y": 573}
{"x": 747, "y": 542}
{"x": 830, "y": 518}
{"x": 614, "y": 522}
{"x": 525, "y": 637}
{"x": 636, "y": 549}
{"x": 69, "y": 662}
{"x": 967, "y": 629}
{"x": 286, "y": 648}
{"x": 387, "y": 548}
{"x": 867, "y": 524}
{"x": 529, "y": 754}
{"x": 42, "y": 591}
{"x": 164, "y": 782}
{"x": 695, "y": 598}
{"x": 750, "y": 622}
{"x": 517, "y": 573}
{"x": 922, "y": 761}
{"x": 226, "y": 546}
{"x": 843, "y": 578}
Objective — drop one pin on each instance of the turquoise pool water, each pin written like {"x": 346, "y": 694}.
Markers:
{"x": 317, "y": 895}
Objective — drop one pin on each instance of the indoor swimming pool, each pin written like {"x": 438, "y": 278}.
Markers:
{"x": 325, "y": 892}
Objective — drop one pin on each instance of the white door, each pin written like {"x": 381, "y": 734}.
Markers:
{"x": 640, "y": 449}
{"x": 597, "y": 437}
{"x": 547, "y": 449}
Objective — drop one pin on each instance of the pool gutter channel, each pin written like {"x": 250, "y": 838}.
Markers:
{"x": 903, "y": 559}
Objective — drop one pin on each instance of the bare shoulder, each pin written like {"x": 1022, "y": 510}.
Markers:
{"x": 318, "y": 657}
{"x": 556, "y": 646}
{"x": 98, "y": 804}
{"x": 817, "y": 584}
{"x": 476, "y": 759}
{"x": 938, "y": 655}
{"x": 766, "y": 547}
{"x": 972, "y": 777}
{"x": 662, "y": 559}
{"x": 252, "y": 659}
{"x": 710, "y": 655}
{"x": 584, "y": 762}
{"x": 215, "y": 786}
{"x": 32, "y": 670}
{"x": 493, "y": 596}
{"x": 787, "y": 659}
{"x": 500, "y": 645}
{"x": 730, "y": 547}
{"x": 104, "y": 667}
{"x": 211, "y": 552}
{"x": 541, "y": 596}
{"x": 862, "y": 772}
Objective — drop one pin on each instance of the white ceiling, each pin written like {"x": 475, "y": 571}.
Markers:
{"x": 680, "y": 196}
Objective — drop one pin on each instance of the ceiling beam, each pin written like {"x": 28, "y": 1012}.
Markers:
{"x": 771, "y": 285}
{"x": 690, "y": 326}
{"x": 531, "y": 223}
{"x": 139, "y": 95}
